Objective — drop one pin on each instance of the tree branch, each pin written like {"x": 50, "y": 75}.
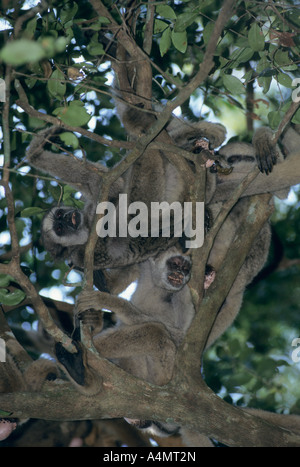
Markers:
{"x": 191, "y": 403}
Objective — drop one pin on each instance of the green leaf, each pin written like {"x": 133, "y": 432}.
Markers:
{"x": 95, "y": 48}
{"x": 207, "y": 31}
{"x": 265, "y": 71}
{"x": 159, "y": 26}
{"x": 13, "y": 298}
{"x": 274, "y": 118}
{"x": 22, "y": 51}
{"x": 55, "y": 86}
{"x": 69, "y": 139}
{"x": 285, "y": 80}
{"x": 264, "y": 67}
{"x": 165, "y": 11}
{"x": 165, "y": 42}
{"x": 233, "y": 84}
{"x": 256, "y": 39}
{"x": 265, "y": 83}
{"x": 32, "y": 211}
{"x": 179, "y": 40}
{"x": 4, "y": 414}
{"x": 281, "y": 58}
{"x": 5, "y": 280}
{"x": 296, "y": 118}
{"x": 241, "y": 55}
{"x": 30, "y": 28}
{"x": 98, "y": 25}
{"x": 74, "y": 114}
{"x": 69, "y": 190}
{"x": 60, "y": 44}
{"x": 68, "y": 12}
{"x": 185, "y": 20}
{"x": 240, "y": 378}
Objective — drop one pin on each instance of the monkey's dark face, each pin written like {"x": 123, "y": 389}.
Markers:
{"x": 178, "y": 271}
{"x": 63, "y": 227}
{"x": 170, "y": 270}
{"x": 66, "y": 221}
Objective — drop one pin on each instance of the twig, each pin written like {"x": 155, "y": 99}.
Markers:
{"x": 5, "y": 122}
{"x": 148, "y": 34}
{"x": 286, "y": 120}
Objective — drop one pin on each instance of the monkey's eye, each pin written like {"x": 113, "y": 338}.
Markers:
{"x": 59, "y": 213}
{"x": 174, "y": 264}
{"x": 186, "y": 270}
{"x": 58, "y": 228}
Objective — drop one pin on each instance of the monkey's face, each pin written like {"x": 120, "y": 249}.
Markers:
{"x": 178, "y": 271}
{"x": 66, "y": 221}
{"x": 63, "y": 227}
{"x": 171, "y": 270}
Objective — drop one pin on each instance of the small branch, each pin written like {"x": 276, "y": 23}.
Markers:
{"x": 5, "y": 123}
{"x": 249, "y": 103}
{"x": 148, "y": 32}
{"x": 286, "y": 120}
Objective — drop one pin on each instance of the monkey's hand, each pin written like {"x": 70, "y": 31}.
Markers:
{"x": 123, "y": 309}
{"x": 266, "y": 150}
{"x": 88, "y": 310}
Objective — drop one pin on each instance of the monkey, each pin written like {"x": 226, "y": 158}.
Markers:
{"x": 150, "y": 329}
{"x": 65, "y": 230}
{"x": 152, "y": 177}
